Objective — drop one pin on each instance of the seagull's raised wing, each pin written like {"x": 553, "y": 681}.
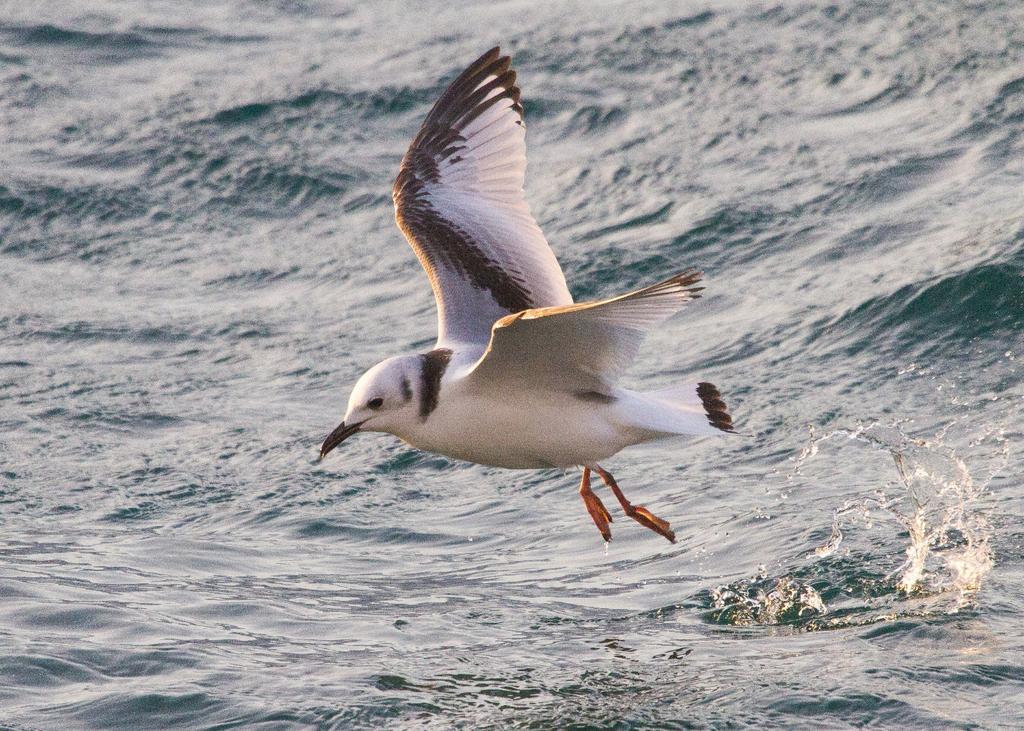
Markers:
{"x": 459, "y": 201}
{"x": 582, "y": 348}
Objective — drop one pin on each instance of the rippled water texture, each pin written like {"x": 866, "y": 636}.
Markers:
{"x": 198, "y": 256}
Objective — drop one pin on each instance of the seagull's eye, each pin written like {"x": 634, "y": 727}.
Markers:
{"x": 375, "y": 403}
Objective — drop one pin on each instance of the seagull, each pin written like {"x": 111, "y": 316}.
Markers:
{"x": 521, "y": 376}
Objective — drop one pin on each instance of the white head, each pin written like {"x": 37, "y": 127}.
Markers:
{"x": 384, "y": 399}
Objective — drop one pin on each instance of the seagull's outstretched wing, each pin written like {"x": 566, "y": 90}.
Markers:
{"x": 459, "y": 201}
{"x": 582, "y": 348}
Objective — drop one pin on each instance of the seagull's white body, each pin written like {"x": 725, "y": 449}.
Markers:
{"x": 522, "y": 429}
{"x": 521, "y": 376}
{"x": 537, "y": 428}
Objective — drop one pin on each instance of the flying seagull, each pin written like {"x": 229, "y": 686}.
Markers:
{"x": 521, "y": 376}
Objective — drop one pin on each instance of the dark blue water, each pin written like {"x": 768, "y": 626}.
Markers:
{"x": 198, "y": 257}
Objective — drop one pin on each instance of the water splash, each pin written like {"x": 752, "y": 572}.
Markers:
{"x": 927, "y": 512}
{"x": 934, "y": 498}
{"x": 765, "y": 601}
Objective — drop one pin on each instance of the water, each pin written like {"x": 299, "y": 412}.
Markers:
{"x": 198, "y": 256}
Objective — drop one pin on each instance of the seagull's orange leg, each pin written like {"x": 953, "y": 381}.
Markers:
{"x": 639, "y": 513}
{"x": 595, "y": 507}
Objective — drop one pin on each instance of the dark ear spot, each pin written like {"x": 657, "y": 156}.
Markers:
{"x": 432, "y": 367}
{"x": 375, "y": 403}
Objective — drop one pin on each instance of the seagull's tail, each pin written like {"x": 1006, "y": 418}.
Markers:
{"x": 691, "y": 408}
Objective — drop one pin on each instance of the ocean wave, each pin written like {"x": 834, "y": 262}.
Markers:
{"x": 136, "y": 42}
{"x": 360, "y": 104}
{"x": 936, "y": 318}
{"x": 46, "y": 35}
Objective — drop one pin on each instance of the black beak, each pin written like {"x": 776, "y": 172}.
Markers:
{"x": 343, "y": 432}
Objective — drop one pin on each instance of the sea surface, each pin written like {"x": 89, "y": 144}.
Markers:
{"x": 198, "y": 258}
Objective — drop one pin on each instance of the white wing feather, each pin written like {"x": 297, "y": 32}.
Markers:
{"x": 459, "y": 201}
{"x": 583, "y": 347}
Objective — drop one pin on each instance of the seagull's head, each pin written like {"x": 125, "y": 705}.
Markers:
{"x": 384, "y": 399}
